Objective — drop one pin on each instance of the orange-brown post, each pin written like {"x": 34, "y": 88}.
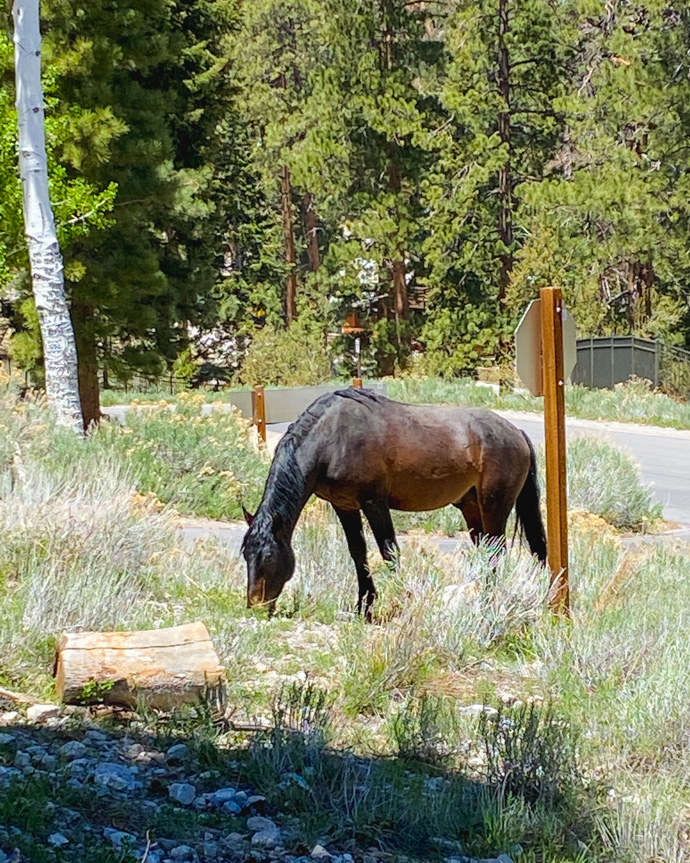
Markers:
{"x": 259, "y": 411}
{"x": 357, "y": 383}
{"x": 554, "y": 430}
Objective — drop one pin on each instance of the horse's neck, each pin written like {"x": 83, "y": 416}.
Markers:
{"x": 291, "y": 483}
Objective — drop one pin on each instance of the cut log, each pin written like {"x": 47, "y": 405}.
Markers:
{"x": 166, "y": 668}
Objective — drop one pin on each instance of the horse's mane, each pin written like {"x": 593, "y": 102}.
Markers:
{"x": 285, "y": 486}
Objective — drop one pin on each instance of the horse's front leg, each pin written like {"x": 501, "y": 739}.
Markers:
{"x": 351, "y": 521}
{"x": 378, "y": 515}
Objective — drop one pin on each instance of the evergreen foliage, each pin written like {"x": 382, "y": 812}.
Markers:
{"x": 218, "y": 166}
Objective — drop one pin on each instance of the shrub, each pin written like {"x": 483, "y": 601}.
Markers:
{"x": 605, "y": 480}
{"x": 297, "y": 356}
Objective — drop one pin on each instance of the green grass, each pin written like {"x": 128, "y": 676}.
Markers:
{"x": 632, "y": 402}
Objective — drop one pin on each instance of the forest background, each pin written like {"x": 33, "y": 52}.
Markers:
{"x": 233, "y": 181}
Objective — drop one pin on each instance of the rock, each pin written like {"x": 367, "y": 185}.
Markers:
{"x": 210, "y": 850}
{"x": 48, "y": 762}
{"x": 222, "y": 795}
{"x": 265, "y": 832}
{"x": 9, "y": 717}
{"x": 119, "y": 837}
{"x": 96, "y": 735}
{"x": 231, "y": 807}
{"x": 182, "y": 852}
{"x": 115, "y": 777}
{"x": 41, "y": 712}
{"x": 58, "y": 840}
{"x": 241, "y": 798}
{"x": 504, "y": 858}
{"x": 182, "y": 792}
{"x": 320, "y": 853}
{"x": 73, "y": 749}
{"x": 6, "y": 739}
{"x": 176, "y": 752}
{"x": 22, "y": 759}
{"x": 254, "y": 800}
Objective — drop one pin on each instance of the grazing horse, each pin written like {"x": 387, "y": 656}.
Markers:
{"x": 365, "y": 453}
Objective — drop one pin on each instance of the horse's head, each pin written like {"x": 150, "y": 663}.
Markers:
{"x": 270, "y": 560}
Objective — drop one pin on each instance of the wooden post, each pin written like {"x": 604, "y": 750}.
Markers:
{"x": 357, "y": 383}
{"x": 554, "y": 429}
{"x": 259, "y": 411}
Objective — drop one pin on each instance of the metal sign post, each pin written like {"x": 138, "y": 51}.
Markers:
{"x": 553, "y": 382}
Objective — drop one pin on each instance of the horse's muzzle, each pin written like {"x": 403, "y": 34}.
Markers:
{"x": 256, "y": 595}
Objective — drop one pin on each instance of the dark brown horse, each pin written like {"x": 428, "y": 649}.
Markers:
{"x": 365, "y": 453}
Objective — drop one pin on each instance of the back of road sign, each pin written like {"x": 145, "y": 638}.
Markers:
{"x": 528, "y": 348}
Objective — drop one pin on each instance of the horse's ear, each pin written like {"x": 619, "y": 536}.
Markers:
{"x": 277, "y": 523}
{"x": 248, "y": 517}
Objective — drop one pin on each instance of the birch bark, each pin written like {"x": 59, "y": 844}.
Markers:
{"x": 59, "y": 349}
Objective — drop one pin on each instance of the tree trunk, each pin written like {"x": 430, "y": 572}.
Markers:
{"x": 89, "y": 394}
{"x": 398, "y": 268}
{"x": 311, "y": 228}
{"x": 505, "y": 181}
{"x": 289, "y": 235}
{"x": 59, "y": 349}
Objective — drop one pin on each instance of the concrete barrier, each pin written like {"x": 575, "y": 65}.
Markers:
{"x": 284, "y": 405}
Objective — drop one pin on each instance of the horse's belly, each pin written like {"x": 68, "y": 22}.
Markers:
{"x": 427, "y": 494}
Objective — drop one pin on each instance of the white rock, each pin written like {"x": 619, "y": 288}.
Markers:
{"x": 57, "y": 840}
{"x": 41, "y": 712}
{"x": 9, "y": 717}
{"x": 320, "y": 853}
{"x": 182, "y": 792}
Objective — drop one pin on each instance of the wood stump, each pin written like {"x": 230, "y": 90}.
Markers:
{"x": 167, "y": 668}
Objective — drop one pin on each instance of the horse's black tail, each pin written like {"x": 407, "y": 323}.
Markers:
{"x": 527, "y": 509}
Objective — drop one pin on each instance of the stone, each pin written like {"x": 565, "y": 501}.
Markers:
{"x": 73, "y": 749}
{"x": 6, "y": 739}
{"x": 115, "y": 777}
{"x": 48, "y": 762}
{"x": 22, "y": 759}
{"x": 210, "y": 850}
{"x": 231, "y": 807}
{"x": 58, "y": 840}
{"x": 182, "y": 852}
{"x": 176, "y": 752}
{"x": 96, "y": 735}
{"x": 182, "y": 792}
{"x": 265, "y": 832}
{"x": 119, "y": 837}
{"x": 222, "y": 795}
{"x": 9, "y": 717}
{"x": 320, "y": 853}
{"x": 41, "y": 712}
{"x": 504, "y": 858}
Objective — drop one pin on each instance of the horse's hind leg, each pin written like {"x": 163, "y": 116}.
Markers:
{"x": 379, "y": 517}
{"x": 469, "y": 507}
{"x": 351, "y": 521}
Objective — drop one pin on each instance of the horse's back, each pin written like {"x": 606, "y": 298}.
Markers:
{"x": 416, "y": 456}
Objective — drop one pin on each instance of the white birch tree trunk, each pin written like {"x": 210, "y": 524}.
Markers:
{"x": 59, "y": 349}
